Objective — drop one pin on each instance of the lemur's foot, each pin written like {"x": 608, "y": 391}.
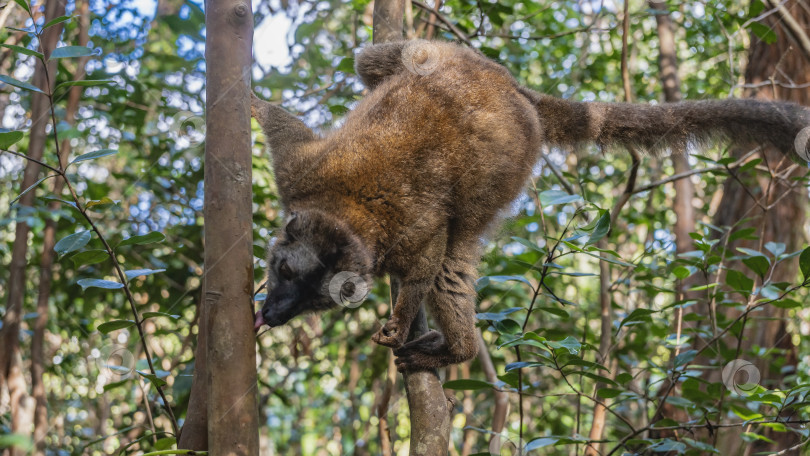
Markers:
{"x": 392, "y": 334}
{"x": 422, "y": 354}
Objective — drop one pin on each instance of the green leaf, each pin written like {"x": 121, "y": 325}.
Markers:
{"x": 529, "y": 244}
{"x": 554, "y": 311}
{"x": 72, "y": 242}
{"x": 23, "y": 50}
{"x": 608, "y": 393}
{"x": 540, "y": 443}
{"x": 84, "y": 83}
{"x": 681, "y": 272}
{"x": 758, "y": 264}
{"x": 165, "y": 443}
{"x": 98, "y": 283}
{"x": 89, "y": 257}
{"x": 35, "y": 185}
{"x": 55, "y": 21}
{"x": 569, "y": 343}
{"x": 507, "y": 326}
{"x": 685, "y": 357}
{"x": 94, "y": 154}
{"x": 763, "y": 32}
{"x": 154, "y": 379}
{"x": 110, "y": 386}
{"x": 492, "y": 316}
{"x": 71, "y": 51}
{"x": 804, "y": 263}
{"x": 521, "y": 365}
{"x": 101, "y": 202}
{"x": 8, "y": 138}
{"x": 598, "y": 378}
{"x": 739, "y": 281}
{"x": 601, "y": 229}
{"x": 776, "y": 248}
{"x": 467, "y": 385}
{"x": 159, "y": 314}
{"x": 554, "y": 197}
{"x": 147, "y": 238}
{"x": 624, "y": 378}
{"x": 668, "y": 446}
{"x": 18, "y": 441}
{"x": 346, "y": 65}
{"x": 110, "y": 326}
{"x": 745, "y": 233}
{"x": 22, "y": 85}
{"x": 24, "y": 5}
{"x": 483, "y": 282}
{"x": 131, "y": 274}
{"x": 338, "y": 110}
{"x": 637, "y": 315}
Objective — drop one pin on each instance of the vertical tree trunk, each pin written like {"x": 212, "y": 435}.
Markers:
{"x": 231, "y": 346}
{"x": 11, "y": 374}
{"x": 46, "y": 259}
{"x": 787, "y": 65}
{"x": 430, "y": 408}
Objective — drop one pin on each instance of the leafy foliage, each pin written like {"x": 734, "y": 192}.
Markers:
{"x": 137, "y": 171}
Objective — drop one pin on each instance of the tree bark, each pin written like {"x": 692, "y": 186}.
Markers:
{"x": 47, "y": 257}
{"x": 11, "y": 374}
{"x": 228, "y": 286}
{"x": 779, "y": 65}
{"x": 194, "y": 435}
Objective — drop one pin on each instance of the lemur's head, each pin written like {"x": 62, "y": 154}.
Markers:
{"x": 315, "y": 264}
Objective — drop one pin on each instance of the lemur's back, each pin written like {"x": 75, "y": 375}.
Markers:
{"x": 453, "y": 127}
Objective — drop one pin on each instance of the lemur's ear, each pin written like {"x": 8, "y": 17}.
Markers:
{"x": 293, "y": 224}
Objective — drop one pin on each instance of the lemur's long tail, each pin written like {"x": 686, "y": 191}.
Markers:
{"x": 656, "y": 128}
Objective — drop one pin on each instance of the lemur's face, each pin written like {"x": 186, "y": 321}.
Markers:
{"x": 308, "y": 268}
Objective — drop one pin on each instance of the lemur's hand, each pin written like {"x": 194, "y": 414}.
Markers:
{"x": 392, "y": 334}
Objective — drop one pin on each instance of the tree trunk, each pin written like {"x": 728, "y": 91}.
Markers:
{"x": 228, "y": 285}
{"x": 46, "y": 260}
{"x": 430, "y": 408}
{"x": 11, "y": 374}
{"x": 779, "y": 66}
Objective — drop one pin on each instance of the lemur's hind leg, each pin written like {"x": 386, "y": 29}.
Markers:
{"x": 452, "y": 305}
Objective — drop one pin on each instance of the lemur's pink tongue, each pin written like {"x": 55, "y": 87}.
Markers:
{"x": 258, "y": 322}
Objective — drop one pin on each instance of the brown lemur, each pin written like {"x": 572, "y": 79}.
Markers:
{"x": 421, "y": 168}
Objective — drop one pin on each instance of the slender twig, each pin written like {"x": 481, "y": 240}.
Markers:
{"x": 41, "y": 163}
{"x": 456, "y": 31}
{"x": 119, "y": 271}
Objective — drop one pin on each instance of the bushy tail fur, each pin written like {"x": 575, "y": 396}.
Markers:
{"x": 650, "y": 128}
{"x": 656, "y": 128}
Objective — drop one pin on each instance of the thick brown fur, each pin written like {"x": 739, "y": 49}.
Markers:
{"x": 422, "y": 166}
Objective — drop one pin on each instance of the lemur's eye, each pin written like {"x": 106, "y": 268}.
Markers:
{"x": 284, "y": 270}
